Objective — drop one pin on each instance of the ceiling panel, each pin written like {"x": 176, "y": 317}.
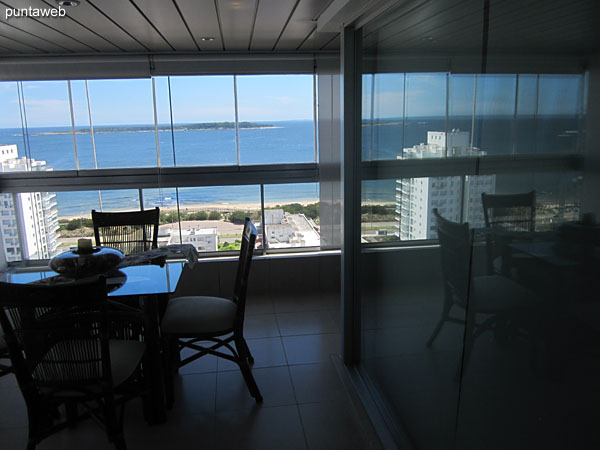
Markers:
{"x": 201, "y": 17}
{"x": 271, "y": 17}
{"x": 90, "y": 17}
{"x": 318, "y": 40}
{"x": 67, "y": 26}
{"x": 159, "y": 26}
{"x": 124, "y": 13}
{"x": 9, "y": 31}
{"x": 9, "y": 45}
{"x": 43, "y": 32}
{"x": 236, "y": 22}
{"x": 165, "y": 17}
{"x": 301, "y": 24}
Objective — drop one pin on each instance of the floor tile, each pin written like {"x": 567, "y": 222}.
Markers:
{"x": 315, "y": 383}
{"x": 285, "y": 303}
{"x": 312, "y": 322}
{"x": 331, "y": 426}
{"x": 260, "y": 326}
{"x": 311, "y": 349}
{"x": 203, "y": 364}
{"x": 267, "y": 352}
{"x": 190, "y": 432}
{"x": 259, "y": 304}
{"x": 274, "y": 383}
{"x": 195, "y": 394}
{"x": 260, "y": 428}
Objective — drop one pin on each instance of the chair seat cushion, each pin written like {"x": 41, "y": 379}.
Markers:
{"x": 198, "y": 315}
{"x": 497, "y": 293}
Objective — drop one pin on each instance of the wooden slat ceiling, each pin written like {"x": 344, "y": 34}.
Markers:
{"x": 166, "y": 26}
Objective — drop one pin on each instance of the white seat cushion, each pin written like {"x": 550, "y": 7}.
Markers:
{"x": 497, "y": 293}
{"x": 198, "y": 315}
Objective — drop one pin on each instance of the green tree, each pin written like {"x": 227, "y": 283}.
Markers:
{"x": 198, "y": 215}
{"x": 214, "y": 215}
{"x": 237, "y": 217}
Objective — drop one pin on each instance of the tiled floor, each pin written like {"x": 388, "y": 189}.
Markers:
{"x": 306, "y": 406}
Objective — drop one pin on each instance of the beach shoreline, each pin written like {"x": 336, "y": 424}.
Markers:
{"x": 194, "y": 207}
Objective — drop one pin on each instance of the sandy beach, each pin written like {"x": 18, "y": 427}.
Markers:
{"x": 220, "y": 207}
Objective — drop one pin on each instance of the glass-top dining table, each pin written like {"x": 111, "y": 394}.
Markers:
{"x": 149, "y": 282}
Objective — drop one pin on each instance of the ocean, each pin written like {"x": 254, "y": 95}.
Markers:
{"x": 276, "y": 142}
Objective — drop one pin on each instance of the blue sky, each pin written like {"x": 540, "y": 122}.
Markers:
{"x": 280, "y": 97}
{"x": 194, "y": 99}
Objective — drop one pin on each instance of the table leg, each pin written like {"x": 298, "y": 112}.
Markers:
{"x": 154, "y": 403}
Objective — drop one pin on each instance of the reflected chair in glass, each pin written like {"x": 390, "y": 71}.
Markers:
{"x": 130, "y": 231}
{"x": 496, "y": 299}
{"x": 4, "y": 369}
{"x": 59, "y": 338}
{"x": 506, "y": 216}
{"x": 191, "y": 320}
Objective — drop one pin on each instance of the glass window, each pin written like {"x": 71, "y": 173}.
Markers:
{"x": 48, "y": 117}
{"x": 123, "y": 117}
{"x": 292, "y": 215}
{"x": 203, "y": 120}
{"x": 276, "y": 119}
{"x": 212, "y": 217}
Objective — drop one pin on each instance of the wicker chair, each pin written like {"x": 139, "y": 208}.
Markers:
{"x": 495, "y": 299}
{"x": 509, "y": 218}
{"x": 4, "y": 369}
{"x": 190, "y": 320}
{"x": 59, "y": 338}
{"x": 130, "y": 232}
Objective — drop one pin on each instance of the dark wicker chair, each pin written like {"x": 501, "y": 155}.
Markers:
{"x": 59, "y": 338}
{"x": 130, "y": 232}
{"x": 496, "y": 299}
{"x": 190, "y": 320}
{"x": 4, "y": 369}
{"x": 509, "y": 218}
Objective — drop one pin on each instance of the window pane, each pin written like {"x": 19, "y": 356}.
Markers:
{"x": 278, "y": 110}
{"x": 123, "y": 117}
{"x": 48, "y": 116}
{"x": 378, "y": 212}
{"x": 425, "y": 106}
{"x": 292, "y": 215}
{"x": 212, "y": 218}
{"x": 203, "y": 118}
{"x": 386, "y": 129}
{"x": 494, "y": 114}
{"x": 559, "y": 113}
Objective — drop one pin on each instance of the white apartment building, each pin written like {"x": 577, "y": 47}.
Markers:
{"x": 457, "y": 198}
{"x": 28, "y": 221}
{"x": 204, "y": 239}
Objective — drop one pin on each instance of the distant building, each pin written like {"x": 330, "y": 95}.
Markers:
{"x": 273, "y": 216}
{"x": 417, "y": 197}
{"x": 28, "y": 221}
{"x": 204, "y": 239}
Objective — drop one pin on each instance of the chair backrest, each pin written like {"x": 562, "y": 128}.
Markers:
{"x": 4, "y": 369}
{"x": 455, "y": 249}
{"x": 249, "y": 235}
{"x": 57, "y": 335}
{"x": 130, "y": 232}
{"x": 514, "y": 212}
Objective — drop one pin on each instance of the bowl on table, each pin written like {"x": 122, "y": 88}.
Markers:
{"x": 85, "y": 263}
